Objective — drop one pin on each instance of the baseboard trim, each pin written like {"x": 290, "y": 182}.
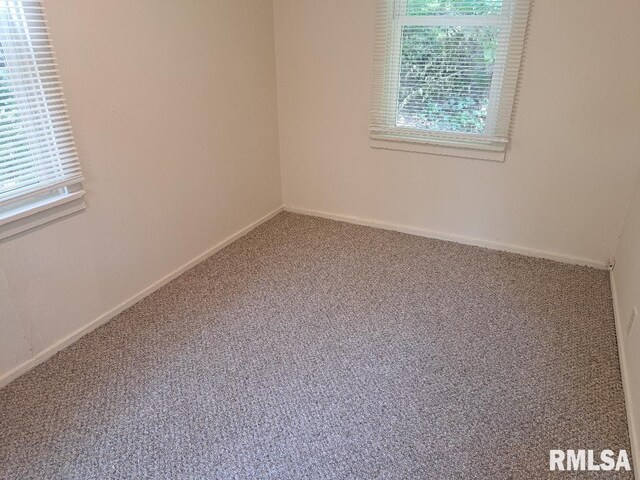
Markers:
{"x": 476, "y": 242}
{"x": 61, "y": 344}
{"x": 624, "y": 372}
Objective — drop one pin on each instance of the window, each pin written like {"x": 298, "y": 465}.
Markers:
{"x": 39, "y": 171}
{"x": 446, "y": 71}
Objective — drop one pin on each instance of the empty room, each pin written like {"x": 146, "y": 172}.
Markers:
{"x": 319, "y": 239}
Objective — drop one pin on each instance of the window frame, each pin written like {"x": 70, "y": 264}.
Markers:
{"x": 36, "y": 211}
{"x": 32, "y": 210}
{"x": 470, "y": 145}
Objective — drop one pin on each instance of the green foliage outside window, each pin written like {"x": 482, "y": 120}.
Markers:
{"x": 453, "y": 7}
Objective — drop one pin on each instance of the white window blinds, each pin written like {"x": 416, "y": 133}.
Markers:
{"x": 446, "y": 71}
{"x": 37, "y": 152}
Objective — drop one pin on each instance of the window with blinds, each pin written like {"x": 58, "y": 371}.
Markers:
{"x": 38, "y": 158}
{"x": 446, "y": 71}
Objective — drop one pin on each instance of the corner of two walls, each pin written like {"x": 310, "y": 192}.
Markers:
{"x": 625, "y": 284}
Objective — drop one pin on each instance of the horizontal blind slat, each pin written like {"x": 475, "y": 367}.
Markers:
{"x": 17, "y": 156}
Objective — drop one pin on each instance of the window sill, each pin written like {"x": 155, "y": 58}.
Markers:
{"x": 450, "y": 149}
{"x": 39, "y": 211}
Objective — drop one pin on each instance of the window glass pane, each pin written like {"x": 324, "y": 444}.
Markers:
{"x": 454, "y": 7}
{"x": 445, "y": 77}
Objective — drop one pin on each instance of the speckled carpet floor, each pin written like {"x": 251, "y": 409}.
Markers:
{"x": 316, "y": 349}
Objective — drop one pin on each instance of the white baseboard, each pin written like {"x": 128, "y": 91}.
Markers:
{"x": 61, "y": 344}
{"x": 624, "y": 372}
{"x": 422, "y": 232}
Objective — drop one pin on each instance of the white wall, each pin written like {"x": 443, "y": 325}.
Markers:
{"x": 174, "y": 109}
{"x": 626, "y": 287}
{"x": 567, "y": 177}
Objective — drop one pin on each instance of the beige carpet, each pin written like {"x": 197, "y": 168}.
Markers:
{"x": 317, "y": 349}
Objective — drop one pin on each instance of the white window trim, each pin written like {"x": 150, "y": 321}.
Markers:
{"x": 37, "y": 211}
{"x": 432, "y": 147}
{"x": 444, "y": 143}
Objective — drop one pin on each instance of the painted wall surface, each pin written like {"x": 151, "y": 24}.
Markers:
{"x": 568, "y": 175}
{"x": 626, "y": 283}
{"x": 175, "y": 115}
